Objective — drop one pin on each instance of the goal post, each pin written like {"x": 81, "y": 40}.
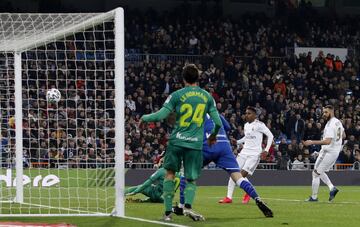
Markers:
{"x": 65, "y": 158}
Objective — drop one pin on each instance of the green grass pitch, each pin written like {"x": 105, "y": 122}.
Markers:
{"x": 286, "y": 202}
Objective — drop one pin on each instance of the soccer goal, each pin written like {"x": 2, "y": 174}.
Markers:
{"x": 64, "y": 158}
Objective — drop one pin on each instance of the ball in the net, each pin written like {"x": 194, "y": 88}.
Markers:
{"x": 53, "y": 95}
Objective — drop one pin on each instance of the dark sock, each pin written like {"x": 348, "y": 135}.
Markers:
{"x": 249, "y": 189}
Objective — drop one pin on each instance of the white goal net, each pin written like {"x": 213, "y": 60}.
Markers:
{"x": 63, "y": 158}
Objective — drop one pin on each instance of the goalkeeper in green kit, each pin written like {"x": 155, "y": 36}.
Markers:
{"x": 152, "y": 187}
{"x": 190, "y": 104}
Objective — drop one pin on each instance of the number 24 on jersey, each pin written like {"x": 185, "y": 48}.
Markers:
{"x": 197, "y": 116}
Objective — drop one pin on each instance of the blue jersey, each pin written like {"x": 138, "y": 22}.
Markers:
{"x": 220, "y": 153}
{"x": 221, "y": 136}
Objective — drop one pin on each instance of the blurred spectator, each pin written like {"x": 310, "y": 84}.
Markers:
{"x": 298, "y": 163}
{"x": 346, "y": 156}
{"x": 299, "y": 128}
{"x": 282, "y": 161}
{"x": 243, "y": 61}
{"x": 280, "y": 86}
{"x": 356, "y": 165}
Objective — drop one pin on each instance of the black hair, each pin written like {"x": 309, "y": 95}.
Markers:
{"x": 251, "y": 108}
{"x": 329, "y": 107}
{"x": 190, "y": 73}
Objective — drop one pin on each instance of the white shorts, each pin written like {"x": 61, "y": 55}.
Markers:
{"x": 248, "y": 163}
{"x": 325, "y": 161}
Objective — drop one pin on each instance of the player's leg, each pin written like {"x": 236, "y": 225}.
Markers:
{"x": 314, "y": 186}
{"x": 246, "y": 197}
{"x": 231, "y": 183}
{"x": 182, "y": 190}
{"x": 248, "y": 164}
{"x": 325, "y": 178}
{"x": 193, "y": 161}
{"x": 248, "y": 167}
{"x": 318, "y": 169}
{"x": 242, "y": 181}
{"x": 333, "y": 190}
{"x": 178, "y": 209}
{"x": 172, "y": 163}
{"x": 328, "y": 162}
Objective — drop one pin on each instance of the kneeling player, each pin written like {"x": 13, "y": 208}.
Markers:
{"x": 221, "y": 154}
{"x": 152, "y": 187}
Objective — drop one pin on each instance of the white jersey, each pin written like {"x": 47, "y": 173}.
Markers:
{"x": 334, "y": 130}
{"x": 254, "y": 136}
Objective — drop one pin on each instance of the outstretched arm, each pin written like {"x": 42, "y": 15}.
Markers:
{"x": 141, "y": 187}
{"x": 155, "y": 176}
{"x": 157, "y": 116}
{"x": 163, "y": 113}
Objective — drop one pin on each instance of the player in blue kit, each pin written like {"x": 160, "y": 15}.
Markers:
{"x": 221, "y": 154}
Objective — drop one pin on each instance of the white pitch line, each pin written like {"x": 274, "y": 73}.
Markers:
{"x": 61, "y": 208}
{"x": 154, "y": 222}
{"x": 294, "y": 200}
{"x": 298, "y": 200}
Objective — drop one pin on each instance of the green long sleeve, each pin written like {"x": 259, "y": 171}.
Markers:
{"x": 157, "y": 116}
{"x": 217, "y": 121}
{"x": 144, "y": 185}
{"x": 157, "y": 176}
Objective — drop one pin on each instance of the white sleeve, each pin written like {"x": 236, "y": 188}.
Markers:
{"x": 241, "y": 141}
{"x": 270, "y": 137}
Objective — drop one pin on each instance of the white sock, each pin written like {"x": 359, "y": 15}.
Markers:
{"x": 231, "y": 188}
{"x": 315, "y": 185}
{"x": 324, "y": 177}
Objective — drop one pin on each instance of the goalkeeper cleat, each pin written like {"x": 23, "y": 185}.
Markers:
{"x": 246, "y": 199}
{"x": 311, "y": 199}
{"x": 333, "y": 193}
{"x": 193, "y": 215}
{"x": 178, "y": 210}
{"x": 225, "y": 200}
{"x": 264, "y": 208}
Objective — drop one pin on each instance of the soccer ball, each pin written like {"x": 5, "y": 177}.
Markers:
{"x": 53, "y": 95}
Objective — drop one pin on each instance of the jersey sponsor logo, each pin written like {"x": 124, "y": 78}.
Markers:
{"x": 217, "y": 136}
{"x": 39, "y": 181}
{"x": 249, "y": 136}
{"x": 181, "y": 137}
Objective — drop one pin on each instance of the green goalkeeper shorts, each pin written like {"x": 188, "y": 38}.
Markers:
{"x": 192, "y": 159}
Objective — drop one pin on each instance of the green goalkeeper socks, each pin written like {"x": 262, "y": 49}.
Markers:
{"x": 190, "y": 192}
{"x": 169, "y": 188}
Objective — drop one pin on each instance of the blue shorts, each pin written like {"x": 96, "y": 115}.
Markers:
{"x": 221, "y": 154}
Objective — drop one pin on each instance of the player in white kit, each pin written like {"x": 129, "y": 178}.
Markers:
{"x": 249, "y": 157}
{"x": 331, "y": 145}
